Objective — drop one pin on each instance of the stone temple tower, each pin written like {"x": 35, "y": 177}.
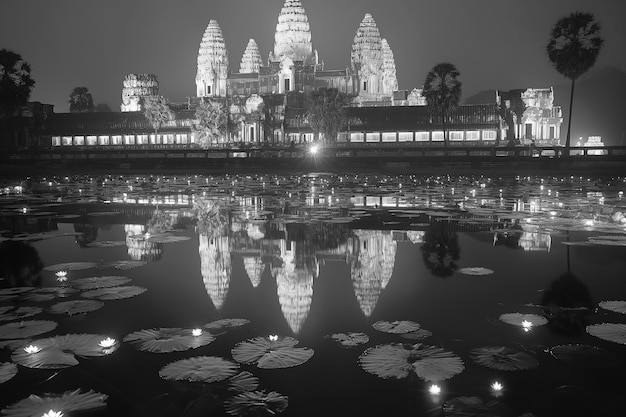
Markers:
{"x": 251, "y": 60}
{"x": 293, "y": 34}
{"x": 390, "y": 80}
{"x": 368, "y": 60}
{"x": 136, "y": 88}
{"x": 212, "y": 63}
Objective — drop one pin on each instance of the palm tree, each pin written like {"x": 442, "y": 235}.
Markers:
{"x": 15, "y": 81}
{"x": 442, "y": 91}
{"x": 80, "y": 100}
{"x": 157, "y": 110}
{"x": 573, "y": 47}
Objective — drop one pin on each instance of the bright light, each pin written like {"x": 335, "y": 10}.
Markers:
{"x": 61, "y": 276}
{"x": 273, "y": 337}
{"x": 588, "y": 222}
{"x": 196, "y": 332}
{"x": 32, "y": 349}
{"x": 53, "y": 413}
{"x": 527, "y": 325}
{"x": 553, "y": 213}
{"x": 107, "y": 343}
{"x": 496, "y": 386}
{"x": 313, "y": 149}
{"x": 434, "y": 389}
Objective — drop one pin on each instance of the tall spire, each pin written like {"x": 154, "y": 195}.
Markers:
{"x": 212, "y": 63}
{"x": 390, "y": 80}
{"x": 251, "y": 60}
{"x": 367, "y": 54}
{"x": 293, "y": 33}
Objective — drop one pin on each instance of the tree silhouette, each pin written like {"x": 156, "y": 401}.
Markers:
{"x": 80, "y": 100}
{"x": 442, "y": 91}
{"x": 15, "y": 81}
{"x": 157, "y": 111}
{"x": 20, "y": 265}
{"x": 326, "y": 113}
{"x": 440, "y": 249}
{"x": 573, "y": 48}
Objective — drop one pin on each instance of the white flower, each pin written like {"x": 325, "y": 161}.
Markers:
{"x": 107, "y": 343}
{"x": 196, "y": 332}
{"x": 32, "y": 349}
{"x": 273, "y": 337}
{"x": 527, "y": 325}
{"x": 496, "y": 386}
{"x": 434, "y": 389}
{"x": 53, "y": 413}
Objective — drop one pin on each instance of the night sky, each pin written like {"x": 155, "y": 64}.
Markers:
{"x": 91, "y": 43}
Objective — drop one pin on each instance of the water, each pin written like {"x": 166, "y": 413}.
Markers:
{"x": 306, "y": 257}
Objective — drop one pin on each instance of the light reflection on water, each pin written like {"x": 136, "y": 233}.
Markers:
{"x": 309, "y": 256}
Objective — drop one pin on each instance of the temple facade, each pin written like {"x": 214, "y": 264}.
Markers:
{"x": 136, "y": 87}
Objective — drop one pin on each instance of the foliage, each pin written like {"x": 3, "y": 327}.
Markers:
{"x": 103, "y": 108}
{"x": 573, "y": 47}
{"x": 210, "y": 122}
{"x": 15, "y": 81}
{"x": 80, "y": 100}
{"x": 326, "y": 112}
{"x": 442, "y": 91}
{"x": 157, "y": 111}
{"x": 441, "y": 249}
{"x": 210, "y": 220}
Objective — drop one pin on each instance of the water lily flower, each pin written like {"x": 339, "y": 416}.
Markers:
{"x": 497, "y": 386}
{"x": 107, "y": 343}
{"x": 53, "y": 413}
{"x": 196, "y": 332}
{"x": 527, "y": 325}
{"x": 434, "y": 389}
{"x": 61, "y": 276}
{"x": 273, "y": 337}
{"x": 32, "y": 349}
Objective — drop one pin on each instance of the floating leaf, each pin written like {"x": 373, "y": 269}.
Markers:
{"x": 475, "y": 407}
{"x": 91, "y": 283}
{"x": 36, "y": 297}
{"x": 14, "y": 290}
{"x": 397, "y": 360}
{"x": 585, "y": 356}
{"x": 243, "y": 382}
{"x": 476, "y": 270}
{"x": 396, "y": 327}
{"x": 523, "y": 320}
{"x": 70, "y": 266}
{"x": 58, "y": 351}
{"x": 225, "y": 324}
{"x": 503, "y": 358}
{"x": 256, "y": 403}
{"x": 66, "y": 403}
{"x": 75, "y": 307}
{"x": 616, "y": 306}
{"x": 350, "y": 339}
{"x": 27, "y": 328}
{"x": 167, "y": 339}
{"x": 124, "y": 265}
{"x": 271, "y": 354}
{"x": 115, "y": 293}
{"x": 417, "y": 335}
{"x": 7, "y": 371}
{"x": 613, "y": 332}
{"x": 199, "y": 369}
{"x": 106, "y": 244}
{"x": 18, "y": 313}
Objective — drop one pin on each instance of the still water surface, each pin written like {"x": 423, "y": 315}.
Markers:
{"x": 306, "y": 257}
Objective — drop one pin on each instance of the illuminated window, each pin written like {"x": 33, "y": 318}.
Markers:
{"x": 92, "y": 140}
{"x": 438, "y": 136}
{"x": 372, "y": 137}
{"x": 56, "y": 140}
{"x": 421, "y": 137}
{"x": 357, "y": 137}
{"x": 181, "y": 138}
{"x": 405, "y": 136}
{"x": 103, "y": 140}
{"x": 489, "y": 135}
{"x": 456, "y": 135}
{"x": 389, "y": 136}
{"x": 128, "y": 140}
{"x": 342, "y": 137}
{"x": 142, "y": 139}
{"x": 79, "y": 140}
{"x": 67, "y": 141}
{"x": 472, "y": 135}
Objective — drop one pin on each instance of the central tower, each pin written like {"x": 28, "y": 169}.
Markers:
{"x": 293, "y": 34}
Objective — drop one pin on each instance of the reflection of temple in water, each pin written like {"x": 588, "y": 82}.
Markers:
{"x": 138, "y": 248}
{"x": 215, "y": 267}
{"x": 532, "y": 240}
{"x": 372, "y": 255}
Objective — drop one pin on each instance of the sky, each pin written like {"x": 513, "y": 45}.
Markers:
{"x": 495, "y": 44}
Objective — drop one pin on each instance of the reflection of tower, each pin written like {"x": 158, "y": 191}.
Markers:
{"x": 294, "y": 286}
{"x": 373, "y": 255}
{"x": 215, "y": 267}
{"x": 254, "y": 267}
{"x": 532, "y": 240}
{"x": 140, "y": 249}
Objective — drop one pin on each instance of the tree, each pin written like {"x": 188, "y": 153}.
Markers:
{"x": 441, "y": 249}
{"x": 326, "y": 112}
{"x": 210, "y": 121}
{"x": 80, "y": 100}
{"x": 442, "y": 91}
{"x": 15, "y": 81}
{"x": 103, "y": 108}
{"x": 573, "y": 48}
{"x": 157, "y": 111}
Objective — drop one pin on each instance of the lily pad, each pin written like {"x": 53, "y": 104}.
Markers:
{"x": 18, "y": 313}
{"x": 91, "y": 283}
{"x": 199, "y": 369}
{"x": 256, "y": 403}
{"x": 398, "y": 360}
{"x": 168, "y": 340}
{"x": 418, "y": 334}
{"x": 36, "y": 297}
{"x": 66, "y": 403}
{"x": 124, "y": 265}
{"x": 396, "y": 327}
{"x": 59, "y": 351}
{"x": 349, "y": 339}
{"x": 523, "y": 320}
{"x": 271, "y": 354}
{"x": 7, "y": 371}
{"x": 15, "y": 290}
{"x": 585, "y": 356}
{"x": 475, "y": 407}
{"x": 475, "y": 270}
{"x": 503, "y": 358}
{"x": 243, "y": 382}
{"x": 613, "y": 332}
{"x": 115, "y": 293}
{"x": 226, "y": 324}
{"x": 75, "y": 307}
{"x": 616, "y": 306}
{"x": 106, "y": 244}
{"x": 70, "y": 266}
{"x": 27, "y": 328}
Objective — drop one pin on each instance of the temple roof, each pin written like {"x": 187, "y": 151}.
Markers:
{"x": 251, "y": 59}
{"x": 367, "y": 53}
{"x": 212, "y": 52}
{"x": 293, "y": 33}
